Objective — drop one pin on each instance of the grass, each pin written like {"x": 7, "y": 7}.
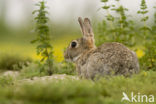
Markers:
{"x": 36, "y": 69}
{"x": 11, "y": 62}
{"x": 68, "y": 91}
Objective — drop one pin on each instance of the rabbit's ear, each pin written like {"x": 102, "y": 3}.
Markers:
{"x": 89, "y": 35}
{"x": 88, "y": 26}
{"x": 81, "y": 25}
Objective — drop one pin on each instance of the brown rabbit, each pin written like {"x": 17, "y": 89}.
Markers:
{"x": 109, "y": 58}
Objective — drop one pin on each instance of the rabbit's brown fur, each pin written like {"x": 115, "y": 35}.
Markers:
{"x": 109, "y": 58}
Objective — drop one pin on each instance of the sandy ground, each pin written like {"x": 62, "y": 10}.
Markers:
{"x": 15, "y": 74}
{"x": 11, "y": 73}
{"x": 55, "y": 77}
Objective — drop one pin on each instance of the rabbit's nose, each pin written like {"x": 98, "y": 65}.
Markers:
{"x": 66, "y": 55}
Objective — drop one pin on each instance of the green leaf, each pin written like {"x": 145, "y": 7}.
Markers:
{"x": 104, "y": 0}
{"x": 35, "y": 11}
{"x": 42, "y": 59}
{"x": 145, "y": 18}
{"x": 34, "y": 41}
{"x": 106, "y": 7}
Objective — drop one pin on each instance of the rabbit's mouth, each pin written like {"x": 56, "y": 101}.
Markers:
{"x": 69, "y": 60}
{"x": 73, "y": 59}
{"x": 76, "y": 58}
{"x": 67, "y": 57}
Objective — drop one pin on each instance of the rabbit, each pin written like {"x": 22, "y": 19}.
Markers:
{"x": 107, "y": 59}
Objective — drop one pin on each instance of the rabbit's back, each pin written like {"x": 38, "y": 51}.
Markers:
{"x": 109, "y": 58}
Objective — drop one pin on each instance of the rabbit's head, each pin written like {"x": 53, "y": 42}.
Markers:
{"x": 79, "y": 46}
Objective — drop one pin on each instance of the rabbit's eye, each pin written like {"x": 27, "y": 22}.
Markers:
{"x": 73, "y": 44}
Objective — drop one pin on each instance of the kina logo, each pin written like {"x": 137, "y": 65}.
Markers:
{"x": 138, "y": 98}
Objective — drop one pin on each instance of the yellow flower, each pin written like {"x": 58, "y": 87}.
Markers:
{"x": 58, "y": 52}
{"x": 140, "y": 53}
{"x": 145, "y": 73}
